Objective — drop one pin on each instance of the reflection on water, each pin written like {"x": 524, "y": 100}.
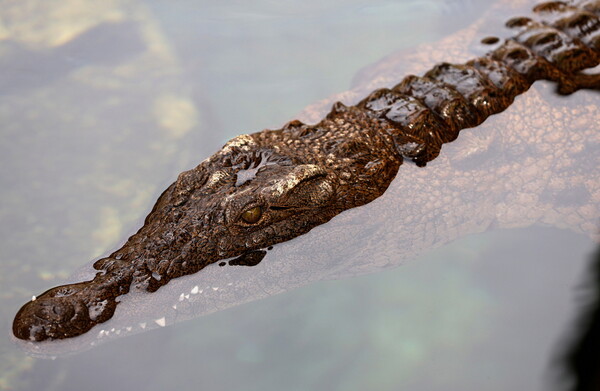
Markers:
{"x": 20, "y": 62}
{"x": 91, "y": 137}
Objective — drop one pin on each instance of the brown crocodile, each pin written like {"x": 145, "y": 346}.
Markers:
{"x": 269, "y": 187}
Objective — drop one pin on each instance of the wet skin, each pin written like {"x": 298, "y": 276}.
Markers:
{"x": 271, "y": 186}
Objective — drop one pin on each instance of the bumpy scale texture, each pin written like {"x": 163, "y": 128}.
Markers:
{"x": 271, "y": 186}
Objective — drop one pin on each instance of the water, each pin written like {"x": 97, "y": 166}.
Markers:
{"x": 102, "y": 106}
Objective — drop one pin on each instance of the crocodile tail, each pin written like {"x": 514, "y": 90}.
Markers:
{"x": 562, "y": 41}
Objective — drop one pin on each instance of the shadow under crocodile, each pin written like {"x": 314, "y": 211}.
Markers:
{"x": 537, "y": 163}
{"x": 579, "y": 360}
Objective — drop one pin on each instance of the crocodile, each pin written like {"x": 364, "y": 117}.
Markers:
{"x": 272, "y": 186}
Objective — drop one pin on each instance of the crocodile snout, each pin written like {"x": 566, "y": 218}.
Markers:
{"x": 62, "y": 312}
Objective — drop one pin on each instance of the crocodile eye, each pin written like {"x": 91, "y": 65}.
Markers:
{"x": 252, "y": 216}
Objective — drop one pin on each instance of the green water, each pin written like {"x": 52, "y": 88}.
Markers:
{"x": 103, "y": 104}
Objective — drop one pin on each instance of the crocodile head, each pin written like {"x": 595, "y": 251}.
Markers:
{"x": 257, "y": 191}
{"x": 245, "y": 197}
{"x": 241, "y": 199}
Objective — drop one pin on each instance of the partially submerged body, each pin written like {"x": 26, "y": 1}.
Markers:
{"x": 269, "y": 187}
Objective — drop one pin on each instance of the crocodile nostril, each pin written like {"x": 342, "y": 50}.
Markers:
{"x": 59, "y": 310}
{"x": 52, "y": 312}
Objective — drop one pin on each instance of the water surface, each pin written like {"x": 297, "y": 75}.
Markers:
{"x": 102, "y": 106}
